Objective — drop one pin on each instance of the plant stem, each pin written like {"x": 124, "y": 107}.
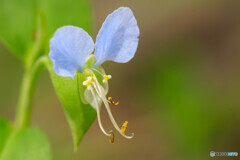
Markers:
{"x": 26, "y": 93}
{"x": 33, "y": 65}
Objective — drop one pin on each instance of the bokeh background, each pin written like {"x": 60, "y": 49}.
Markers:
{"x": 180, "y": 93}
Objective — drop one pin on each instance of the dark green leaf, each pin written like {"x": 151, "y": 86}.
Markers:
{"x": 80, "y": 116}
{"x": 5, "y": 131}
{"x": 27, "y": 144}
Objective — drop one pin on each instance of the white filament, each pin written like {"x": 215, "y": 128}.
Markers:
{"x": 105, "y": 101}
{"x": 102, "y": 73}
{"x": 98, "y": 112}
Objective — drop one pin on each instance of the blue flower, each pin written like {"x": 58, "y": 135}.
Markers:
{"x": 116, "y": 41}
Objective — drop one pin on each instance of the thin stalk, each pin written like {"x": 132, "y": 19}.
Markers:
{"x": 26, "y": 93}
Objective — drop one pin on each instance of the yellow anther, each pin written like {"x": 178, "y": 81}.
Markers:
{"x": 106, "y": 78}
{"x": 124, "y": 127}
{"x": 112, "y": 102}
{"x": 88, "y": 81}
{"x": 111, "y": 137}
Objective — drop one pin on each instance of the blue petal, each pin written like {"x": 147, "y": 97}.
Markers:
{"x": 117, "y": 40}
{"x": 69, "y": 49}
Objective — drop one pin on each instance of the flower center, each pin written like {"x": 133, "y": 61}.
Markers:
{"x": 95, "y": 94}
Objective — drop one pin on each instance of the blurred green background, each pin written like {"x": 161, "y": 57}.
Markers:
{"x": 180, "y": 93}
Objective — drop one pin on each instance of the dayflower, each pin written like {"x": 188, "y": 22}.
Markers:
{"x": 71, "y": 48}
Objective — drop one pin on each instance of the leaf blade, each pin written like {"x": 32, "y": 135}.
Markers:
{"x": 80, "y": 116}
{"x": 18, "y": 25}
{"x": 27, "y": 144}
{"x": 72, "y": 12}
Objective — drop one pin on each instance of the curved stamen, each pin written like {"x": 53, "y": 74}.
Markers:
{"x": 114, "y": 122}
{"x": 98, "y": 113}
{"x": 105, "y": 101}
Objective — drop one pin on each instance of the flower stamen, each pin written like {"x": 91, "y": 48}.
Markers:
{"x": 113, "y": 120}
{"x": 88, "y": 81}
{"x": 124, "y": 127}
{"x": 106, "y": 78}
{"x": 112, "y": 102}
{"x": 111, "y": 137}
{"x": 98, "y": 112}
{"x": 101, "y": 94}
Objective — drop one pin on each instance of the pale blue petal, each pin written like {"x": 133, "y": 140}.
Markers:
{"x": 69, "y": 49}
{"x": 117, "y": 40}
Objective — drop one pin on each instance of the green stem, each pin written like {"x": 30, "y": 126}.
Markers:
{"x": 33, "y": 65}
{"x": 26, "y": 93}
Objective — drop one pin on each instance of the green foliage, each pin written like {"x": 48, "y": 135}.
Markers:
{"x": 17, "y": 24}
{"x": 5, "y": 130}
{"x": 80, "y": 116}
{"x": 27, "y": 144}
{"x": 26, "y": 28}
{"x": 18, "y": 27}
{"x": 66, "y": 12}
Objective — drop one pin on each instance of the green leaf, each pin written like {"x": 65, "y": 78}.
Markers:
{"x": 19, "y": 18}
{"x": 5, "y": 131}
{"x": 66, "y": 12}
{"x": 80, "y": 116}
{"x": 17, "y": 24}
{"x": 27, "y": 144}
